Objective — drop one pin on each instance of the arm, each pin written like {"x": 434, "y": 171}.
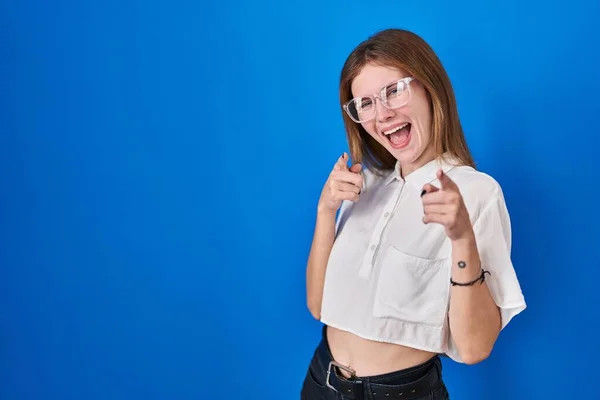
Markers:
{"x": 317, "y": 260}
{"x": 474, "y": 317}
{"x": 343, "y": 184}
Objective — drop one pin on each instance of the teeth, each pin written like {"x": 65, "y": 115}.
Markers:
{"x": 395, "y": 129}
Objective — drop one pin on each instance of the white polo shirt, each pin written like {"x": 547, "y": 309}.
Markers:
{"x": 388, "y": 274}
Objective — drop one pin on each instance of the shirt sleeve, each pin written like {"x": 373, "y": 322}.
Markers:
{"x": 493, "y": 236}
{"x": 342, "y": 215}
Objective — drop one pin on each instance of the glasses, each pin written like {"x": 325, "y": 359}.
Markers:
{"x": 394, "y": 95}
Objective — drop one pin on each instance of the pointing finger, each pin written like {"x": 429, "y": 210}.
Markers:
{"x": 341, "y": 164}
{"x": 445, "y": 181}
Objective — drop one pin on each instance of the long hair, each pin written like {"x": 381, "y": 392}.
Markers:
{"x": 405, "y": 50}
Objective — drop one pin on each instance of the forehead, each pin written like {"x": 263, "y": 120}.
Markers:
{"x": 373, "y": 77}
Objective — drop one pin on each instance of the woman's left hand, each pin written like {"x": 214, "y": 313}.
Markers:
{"x": 445, "y": 206}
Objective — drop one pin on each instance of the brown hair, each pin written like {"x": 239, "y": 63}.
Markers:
{"x": 405, "y": 50}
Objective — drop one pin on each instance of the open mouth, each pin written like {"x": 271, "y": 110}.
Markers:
{"x": 399, "y": 136}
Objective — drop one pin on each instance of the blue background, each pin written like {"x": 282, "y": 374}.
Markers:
{"x": 160, "y": 164}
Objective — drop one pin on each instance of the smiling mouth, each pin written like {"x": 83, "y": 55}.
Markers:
{"x": 399, "y": 136}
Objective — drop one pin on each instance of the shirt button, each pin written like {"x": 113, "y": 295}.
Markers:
{"x": 372, "y": 247}
{"x": 387, "y": 214}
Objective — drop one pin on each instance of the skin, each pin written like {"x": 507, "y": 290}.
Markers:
{"x": 474, "y": 317}
{"x": 417, "y": 111}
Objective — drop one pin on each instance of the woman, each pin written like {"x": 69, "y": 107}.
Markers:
{"x": 417, "y": 263}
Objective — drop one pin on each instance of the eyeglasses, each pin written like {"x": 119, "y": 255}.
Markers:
{"x": 394, "y": 95}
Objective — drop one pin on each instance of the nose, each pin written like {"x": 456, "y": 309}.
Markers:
{"x": 383, "y": 113}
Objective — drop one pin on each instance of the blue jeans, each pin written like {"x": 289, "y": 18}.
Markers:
{"x": 324, "y": 382}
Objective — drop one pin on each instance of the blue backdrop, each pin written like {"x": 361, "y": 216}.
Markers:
{"x": 160, "y": 164}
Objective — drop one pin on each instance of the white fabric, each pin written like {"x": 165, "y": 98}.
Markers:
{"x": 388, "y": 275}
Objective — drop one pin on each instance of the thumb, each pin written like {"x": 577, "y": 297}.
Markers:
{"x": 428, "y": 188}
{"x": 445, "y": 181}
{"x": 356, "y": 168}
{"x": 341, "y": 164}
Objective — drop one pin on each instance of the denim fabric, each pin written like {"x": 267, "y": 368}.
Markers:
{"x": 315, "y": 388}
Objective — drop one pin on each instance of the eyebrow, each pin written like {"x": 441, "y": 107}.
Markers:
{"x": 381, "y": 88}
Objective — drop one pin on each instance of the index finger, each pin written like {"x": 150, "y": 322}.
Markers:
{"x": 341, "y": 165}
{"x": 445, "y": 181}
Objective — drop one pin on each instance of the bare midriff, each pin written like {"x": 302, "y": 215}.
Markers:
{"x": 368, "y": 358}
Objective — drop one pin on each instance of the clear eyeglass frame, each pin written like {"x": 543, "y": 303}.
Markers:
{"x": 382, "y": 96}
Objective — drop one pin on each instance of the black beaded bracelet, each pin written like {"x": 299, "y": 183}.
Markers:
{"x": 480, "y": 278}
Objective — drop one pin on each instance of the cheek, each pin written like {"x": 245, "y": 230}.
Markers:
{"x": 370, "y": 128}
{"x": 426, "y": 125}
{"x": 420, "y": 112}
{"x": 423, "y": 120}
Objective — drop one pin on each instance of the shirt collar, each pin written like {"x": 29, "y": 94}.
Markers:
{"x": 424, "y": 174}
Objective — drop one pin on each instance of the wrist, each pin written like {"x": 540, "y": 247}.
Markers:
{"x": 465, "y": 257}
{"x": 324, "y": 212}
{"x": 467, "y": 240}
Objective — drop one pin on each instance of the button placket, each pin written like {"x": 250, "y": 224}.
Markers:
{"x": 372, "y": 249}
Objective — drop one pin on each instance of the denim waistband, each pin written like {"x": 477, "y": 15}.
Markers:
{"x": 407, "y": 383}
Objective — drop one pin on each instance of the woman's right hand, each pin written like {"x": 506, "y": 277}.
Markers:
{"x": 343, "y": 184}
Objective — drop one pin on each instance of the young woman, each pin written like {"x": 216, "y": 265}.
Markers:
{"x": 411, "y": 251}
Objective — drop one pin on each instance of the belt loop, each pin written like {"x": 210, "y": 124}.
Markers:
{"x": 359, "y": 390}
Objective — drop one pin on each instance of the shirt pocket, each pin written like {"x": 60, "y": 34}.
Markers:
{"x": 413, "y": 289}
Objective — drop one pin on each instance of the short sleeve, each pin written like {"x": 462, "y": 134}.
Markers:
{"x": 493, "y": 235}
{"x": 342, "y": 216}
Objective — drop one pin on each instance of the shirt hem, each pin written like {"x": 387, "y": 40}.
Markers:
{"x": 381, "y": 340}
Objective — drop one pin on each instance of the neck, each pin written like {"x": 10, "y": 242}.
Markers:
{"x": 427, "y": 156}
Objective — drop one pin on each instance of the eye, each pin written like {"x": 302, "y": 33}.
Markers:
{"x": 393, "y": 90}
{"x": 365, "y": 103}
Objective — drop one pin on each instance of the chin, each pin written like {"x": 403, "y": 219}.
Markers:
{"x": 407, "y": 155}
